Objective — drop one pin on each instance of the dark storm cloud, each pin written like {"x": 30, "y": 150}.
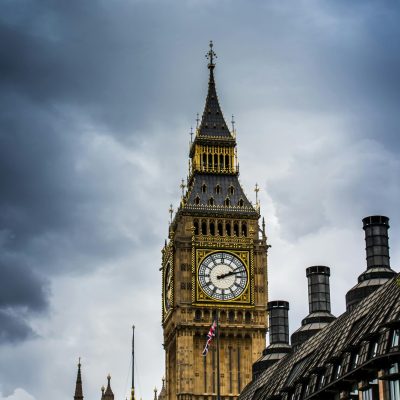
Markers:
{"x": 22, "y": 292}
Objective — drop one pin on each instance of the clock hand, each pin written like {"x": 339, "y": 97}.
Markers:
{"x": 222, "y": 276}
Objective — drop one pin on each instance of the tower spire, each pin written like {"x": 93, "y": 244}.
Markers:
{"x": 78, "y": 385}
{"x": 212, "y": 121}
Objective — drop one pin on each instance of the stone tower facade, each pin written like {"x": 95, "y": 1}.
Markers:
{"x": 215, "y": 261}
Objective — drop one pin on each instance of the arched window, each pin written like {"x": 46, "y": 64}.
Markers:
{"x": 196, "y": 227}
{"x": 247, "y": 317}
{"x": 228, "y": 228}
{"x": 231, "y": 316}
{"x": 203, "y": 227}
{"x": 203, "y": 188}
{"x": 221, "y": 161}
{"x": 217, "y": 189}
{"x": 244, "y": 229}
{"x": 204, "y": 160}
{"x": 236, "y": 229}
{"x": 231, "y": 190}
{"x": 212, "y": 228}
{"x": 215, "y": 161}
{"x": 227, "y": 161}
{"x": 220, "y": 230}
{"x": 210, "y": 161}
{"x": 197, "y": 315}
{"x": 227, "y": 202}
{"x": 241, "y": 203}
{"x": 240, "y": 317}
{"x": 211, "y": 201}
{"x": 197, "y": 200}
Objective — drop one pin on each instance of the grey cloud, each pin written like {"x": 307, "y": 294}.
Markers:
{"x": 13, "y": 328}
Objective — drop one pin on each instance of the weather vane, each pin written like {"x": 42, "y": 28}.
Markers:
{"x": 211, "y": 55}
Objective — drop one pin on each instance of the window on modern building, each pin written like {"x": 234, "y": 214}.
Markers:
{"x": 373, "y": 349}
{"x": 354, "y": 361}
{"x": 394, "y": 343}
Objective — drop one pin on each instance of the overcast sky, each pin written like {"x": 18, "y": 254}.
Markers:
{"x": 97, "y": 99}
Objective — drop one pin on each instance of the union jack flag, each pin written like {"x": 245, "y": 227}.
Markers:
{"x": 210, "y": 336}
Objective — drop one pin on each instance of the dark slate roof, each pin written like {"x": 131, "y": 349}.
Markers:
{"x": 211, "y": 181}
{"x": 369, "y": 317}
{"x": 213, "y": 122}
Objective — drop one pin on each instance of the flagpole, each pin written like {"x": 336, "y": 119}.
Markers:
{"x": 218, "y": 372}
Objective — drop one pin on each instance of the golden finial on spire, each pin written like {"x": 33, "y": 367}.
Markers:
{"x": 257, "y": 189}
{"x": 211, "y": 55}
{"x": 182, "y": 186}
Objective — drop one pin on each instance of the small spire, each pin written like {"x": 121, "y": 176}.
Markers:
{"x": 171, "y": 211}
{"x": 210, "y": 56}
{"x": 108, "y": 394}
{"x": 191, "y": 134}
{"x": 182, "y": 186}
{"x": 155, "y": 393}
{"x": 233, "y": 123}
{"x": 78, "y": 385}
{"x": 257, "y": 189}
{"x": 197, "y": 121}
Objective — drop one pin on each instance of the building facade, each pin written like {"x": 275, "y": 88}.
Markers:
{"x": 357, "y": 355}
{"x": 214, "y": 261}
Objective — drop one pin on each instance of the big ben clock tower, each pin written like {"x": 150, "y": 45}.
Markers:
{"x": 215, "y": 260}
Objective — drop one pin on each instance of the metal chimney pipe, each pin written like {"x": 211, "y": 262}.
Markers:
{"x": 278, "y": 321}
{"x": 376, "y": 241}
{"x": 318, "y": 289}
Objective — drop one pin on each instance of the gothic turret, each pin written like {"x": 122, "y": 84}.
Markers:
{"x": 108, "y": 393}
{"x": 78, "y": 385}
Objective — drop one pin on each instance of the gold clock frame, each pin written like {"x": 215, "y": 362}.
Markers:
{"x": 244, "y": 254}
{"x": 168, "y": 258}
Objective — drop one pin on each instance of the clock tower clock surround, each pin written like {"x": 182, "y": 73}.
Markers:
{"x": 215, "y": 260}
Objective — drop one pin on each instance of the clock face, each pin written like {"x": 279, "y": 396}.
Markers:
{"x": 168, "y": 287}
{"x": 222, "y": 276}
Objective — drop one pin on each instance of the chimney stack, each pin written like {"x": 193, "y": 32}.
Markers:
{"x": 278, "y": 337}
{"x": 378, "y": 261}
{"x": 319, "y": 305}
{"x": 377, "y": 241}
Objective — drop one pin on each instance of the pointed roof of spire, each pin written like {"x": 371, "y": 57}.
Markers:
{"x": 212, "y": 121}
{"x": 78, "y": 385}
{"x": 108, "y": 394}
